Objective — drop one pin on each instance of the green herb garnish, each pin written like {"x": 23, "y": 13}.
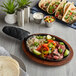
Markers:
{"x": 71, "y": 17}
{"x": 36, "y": 43}
{"x": 51, "y": 8}
{"x": 49, "y": 51}
{"x": 69, "y": 11}
{"x": 57, "y": 3}
{"x": 60, "y": 50}
{"x": 45, "y": 41}
{"x": 64, "y": 5}
{"x": 60, "y": 11}
{"x": 66, "y": 17}
{"x": 50, "y": 45}
{"x": 39, "y": 37}
{"x": 46, "y": 4}
{"x": 61, "y": 43}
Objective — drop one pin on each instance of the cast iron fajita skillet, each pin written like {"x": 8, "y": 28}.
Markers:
{"x": 24, "y": 35}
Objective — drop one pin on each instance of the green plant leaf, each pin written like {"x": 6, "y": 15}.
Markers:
{"x": 5, "y": 11}
{"x": 9, "y": 6}
{"x": 22, "y": 3}
{"x": 2, "y": 6}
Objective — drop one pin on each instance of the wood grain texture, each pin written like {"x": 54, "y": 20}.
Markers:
{"x": 34, "y": 69}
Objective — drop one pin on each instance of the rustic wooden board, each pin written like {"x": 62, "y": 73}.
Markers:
{"x": 49, "y": 63}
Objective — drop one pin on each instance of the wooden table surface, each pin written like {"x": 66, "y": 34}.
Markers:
{"x": 34, "y": 69}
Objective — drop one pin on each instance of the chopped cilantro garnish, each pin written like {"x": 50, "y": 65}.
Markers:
{"x": 46, "y": 4}
{"x": 51, "y": 8}
{"x": 66, "y": 17}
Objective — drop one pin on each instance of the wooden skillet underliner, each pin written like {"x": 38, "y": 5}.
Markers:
{"x": 45, "y": 62}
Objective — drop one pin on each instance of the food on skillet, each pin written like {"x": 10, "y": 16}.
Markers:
{"x": 49, "y": 19}
{"x": 59, "y": 11}
{"x": 43, "y": 4}
{"x": 47, "y": 47}
{"x": 70, "y": 15}
{"x": 53, "y": 6}
{"x": 9, "y": 66}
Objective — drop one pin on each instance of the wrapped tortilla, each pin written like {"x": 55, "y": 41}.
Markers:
{"x": 59, "y": 11}
{"x": 53, "y": 6}
{"x": 66, "y": 6}
{"x": 70, "y": 14}
{"x": 9, "y": 66}
{"x": 43, "y": 4}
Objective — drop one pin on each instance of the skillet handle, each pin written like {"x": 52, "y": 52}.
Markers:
{"x": 17, "y": 33}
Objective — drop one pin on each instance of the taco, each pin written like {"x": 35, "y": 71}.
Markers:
{"x": 59, "y": 10}
{"x": 70, "y": 14}
{"x": 43, "y": 4}
{"x": 67, "y": 5}
{"x": 52, "y": 6}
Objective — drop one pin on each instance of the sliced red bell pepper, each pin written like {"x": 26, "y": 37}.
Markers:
{"x": 46, "y": 46}
{"x": 53, "y": 10}
{"x": 44, "y": 49}
{"x": 48, "y": 2}
{"x": 39, "y": 48}
{"x": 50, "y": 41}
{"x": 50, "y": 21}
{"x": 56, "y": 15}
{"x": 54, "y": 43}
{"x": 70, "y": 13}
{"x": 56, "y": 5}
{"x": 45, "y": 55}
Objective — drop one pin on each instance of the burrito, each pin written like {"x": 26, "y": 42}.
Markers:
{"x": 52, "y": 6}
{"x": 43, "y": 4}
{"x": 70, "y": 14}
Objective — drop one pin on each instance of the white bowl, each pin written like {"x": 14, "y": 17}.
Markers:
{"x": 38, "y": 16}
